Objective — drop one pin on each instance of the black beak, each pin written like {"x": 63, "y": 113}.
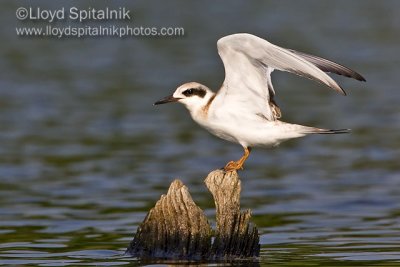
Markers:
{"x": 167, "y": 99}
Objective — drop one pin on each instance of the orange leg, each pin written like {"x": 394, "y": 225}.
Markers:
{"x": 238, "y": 165}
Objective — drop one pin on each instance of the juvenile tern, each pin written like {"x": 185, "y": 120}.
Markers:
{"x": 244, "y": 110}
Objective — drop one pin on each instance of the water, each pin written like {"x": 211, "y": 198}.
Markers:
{"x": 84, "y": 154}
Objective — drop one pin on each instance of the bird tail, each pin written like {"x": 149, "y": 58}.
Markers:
{"x": 314, "y": 130}
{"x": 288, "y": 131}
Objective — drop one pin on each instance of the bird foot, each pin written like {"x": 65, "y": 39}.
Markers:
{"x": 233, "y": 166}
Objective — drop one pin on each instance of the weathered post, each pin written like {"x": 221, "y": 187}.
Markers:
{"x": 236, "y": 236}
{"x": 176, "y": 228}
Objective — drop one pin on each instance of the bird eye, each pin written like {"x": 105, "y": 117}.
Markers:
{"x": 188, "y": 92}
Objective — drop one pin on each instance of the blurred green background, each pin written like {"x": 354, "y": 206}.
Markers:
{"x": 84, "y": 154}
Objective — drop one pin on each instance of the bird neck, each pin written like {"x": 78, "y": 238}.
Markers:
{"x": 200, "y": 112}
{"x": 206, "y": 107}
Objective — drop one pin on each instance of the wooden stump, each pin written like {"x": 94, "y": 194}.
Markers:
{"x": 235, "y": 237}
{"x": 176, "y": 228}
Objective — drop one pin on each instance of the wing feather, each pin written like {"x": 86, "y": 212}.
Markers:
{"x": 249, "y": 61}
{"x": 329, "y": 66}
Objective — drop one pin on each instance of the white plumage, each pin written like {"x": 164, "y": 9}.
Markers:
{"x": 244, "y": 110}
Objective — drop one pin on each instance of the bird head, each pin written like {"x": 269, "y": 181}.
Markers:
{"x": 193, "y": 95}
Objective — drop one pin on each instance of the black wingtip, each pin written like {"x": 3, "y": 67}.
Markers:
{"x": 342, "y": 91}
{"x": 330, "y": 66}
{"x": 357, "y": 76}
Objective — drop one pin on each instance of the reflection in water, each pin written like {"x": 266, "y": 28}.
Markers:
{"x": 84, "y": 154}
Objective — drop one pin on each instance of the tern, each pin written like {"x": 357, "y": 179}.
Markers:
{"x": 244, "y": 110}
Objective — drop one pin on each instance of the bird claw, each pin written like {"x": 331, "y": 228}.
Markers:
{"x": 233, "y": 166}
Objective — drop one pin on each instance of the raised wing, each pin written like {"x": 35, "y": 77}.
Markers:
{"x": 249, "y": 61}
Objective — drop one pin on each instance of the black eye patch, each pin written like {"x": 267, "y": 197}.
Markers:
{"x": 194, "y": 91}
